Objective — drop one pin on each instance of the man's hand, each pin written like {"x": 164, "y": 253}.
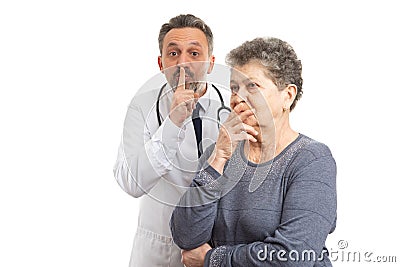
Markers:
{"x": 183, "y": 101}
{"x": 195, "y": 257}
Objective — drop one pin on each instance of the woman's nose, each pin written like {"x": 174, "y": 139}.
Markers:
{"x": 241, "y": 94}
{"x": 236, "y": 98}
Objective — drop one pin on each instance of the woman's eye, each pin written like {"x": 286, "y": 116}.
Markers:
{"x": 234, "y": 88}
{"x": 251, "y": 85}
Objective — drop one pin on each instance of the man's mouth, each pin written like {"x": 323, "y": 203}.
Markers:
{"x": 188, "y": 79}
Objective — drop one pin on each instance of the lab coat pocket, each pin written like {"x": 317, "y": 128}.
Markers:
{"x": 151, "y": 249}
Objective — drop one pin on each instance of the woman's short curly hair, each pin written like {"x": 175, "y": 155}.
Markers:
{"x": 277, "y": 56}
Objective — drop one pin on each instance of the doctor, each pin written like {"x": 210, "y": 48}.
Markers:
{"x": 165, "y": 131}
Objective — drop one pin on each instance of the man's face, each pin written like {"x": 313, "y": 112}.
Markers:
{"x": 188, "y": 48}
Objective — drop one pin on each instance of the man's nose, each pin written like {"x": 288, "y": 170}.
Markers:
{"x": 182, "y": 59}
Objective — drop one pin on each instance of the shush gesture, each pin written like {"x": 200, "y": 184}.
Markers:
{"x": 183, "y": 101}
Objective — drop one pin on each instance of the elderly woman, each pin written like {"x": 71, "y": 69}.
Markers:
{"x": 266, "y": 196}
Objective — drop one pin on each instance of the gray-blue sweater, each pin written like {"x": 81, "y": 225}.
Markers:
{"x": 278, "y": 213}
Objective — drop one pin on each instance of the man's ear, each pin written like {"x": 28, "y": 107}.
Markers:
{"x": 160, "y": 64}
{"x": 210, "y": 68}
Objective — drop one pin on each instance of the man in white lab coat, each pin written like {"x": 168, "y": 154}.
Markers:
{"x": 165, "y": 131}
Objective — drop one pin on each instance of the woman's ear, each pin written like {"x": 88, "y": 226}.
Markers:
{"x": 290, "y": 93}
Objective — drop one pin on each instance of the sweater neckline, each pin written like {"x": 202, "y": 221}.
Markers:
{"x": 253, "y": 164}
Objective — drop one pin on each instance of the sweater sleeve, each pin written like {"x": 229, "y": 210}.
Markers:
{"x": 308, "y": 216}
{"x": 193, "y": 218}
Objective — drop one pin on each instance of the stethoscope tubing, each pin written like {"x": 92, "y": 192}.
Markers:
{"x": 221, "y": 108}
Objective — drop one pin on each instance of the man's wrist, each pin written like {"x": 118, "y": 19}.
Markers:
{"x": 175, "y": 121}
{"x": 170, "y": 134}
{"x": 177, "y": 124}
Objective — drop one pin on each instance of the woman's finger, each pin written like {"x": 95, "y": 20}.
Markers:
{"x": 242, "y": 106}
{"x": 246, "y": 114}
{"x": 244, "y": 136}
{"x": 242, "y": 127}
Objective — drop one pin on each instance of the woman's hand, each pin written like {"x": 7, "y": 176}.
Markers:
{"x": 230, "y": 134}
{"x": 195, "y": 257}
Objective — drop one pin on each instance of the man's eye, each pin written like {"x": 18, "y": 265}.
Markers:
{"x": 173, "y": 53}
{"x": 195, "y": 54}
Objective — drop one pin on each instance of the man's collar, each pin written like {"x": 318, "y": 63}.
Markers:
{"x": 205, "y": 99}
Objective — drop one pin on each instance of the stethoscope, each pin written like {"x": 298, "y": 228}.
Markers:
{"x": 221, "y": 108}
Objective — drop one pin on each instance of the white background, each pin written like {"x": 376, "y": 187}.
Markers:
{"x": 68, "y": 70}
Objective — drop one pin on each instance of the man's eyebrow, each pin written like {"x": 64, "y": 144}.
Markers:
{"x": 172, "y": 44}
{"x": 195, "y": 43}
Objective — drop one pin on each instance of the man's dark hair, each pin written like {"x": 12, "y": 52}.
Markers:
{"x": 183, "y": 21}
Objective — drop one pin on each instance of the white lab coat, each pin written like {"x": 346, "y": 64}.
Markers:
{"x": 157, "y": 164}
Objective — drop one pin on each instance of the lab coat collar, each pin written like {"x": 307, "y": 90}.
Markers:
{"x": 204, "y": 101}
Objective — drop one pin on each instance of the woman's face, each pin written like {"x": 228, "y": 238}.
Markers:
{"x": 253, "y": 89}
